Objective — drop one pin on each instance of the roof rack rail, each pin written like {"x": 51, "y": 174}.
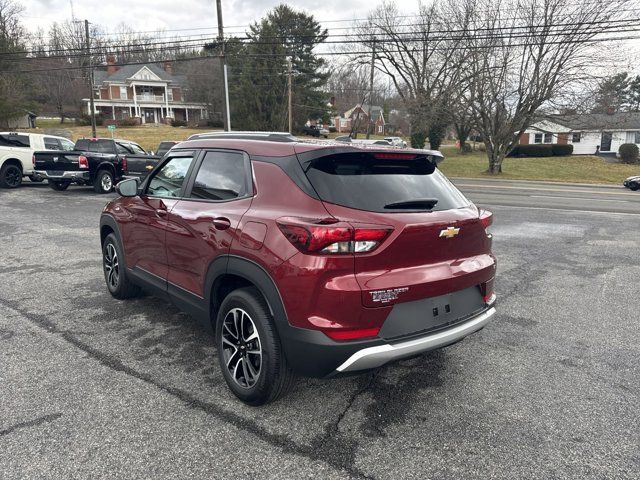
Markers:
{"x": 268, "y": 136}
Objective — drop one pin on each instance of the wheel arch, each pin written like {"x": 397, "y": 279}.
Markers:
{"x": 230, "y": 272}
{"x": 106, "y": 165}
{"x": 12, "y": 161}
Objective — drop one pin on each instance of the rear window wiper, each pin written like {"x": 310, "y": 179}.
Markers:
{"x": 415, "y": 204}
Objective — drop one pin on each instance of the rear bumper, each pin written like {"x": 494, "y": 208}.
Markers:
{"x": 71, "y": 176}
{"x": 312, "y": 353}
{"x": 377, "y": 356}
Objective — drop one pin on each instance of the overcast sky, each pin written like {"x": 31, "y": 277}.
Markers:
{"x": 174, "y": 14}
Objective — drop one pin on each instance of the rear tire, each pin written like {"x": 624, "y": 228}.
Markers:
{"x": 244, "y": 326}
{"x": 10, "y": 176}
{"x": 115, "y": 272}
{"x": 103, "y": 182}
{"x": 59, "y": 186}
{"x": 634, "y": 186}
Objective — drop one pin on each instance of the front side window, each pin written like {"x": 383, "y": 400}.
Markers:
{"x": 137, "y": 149}
{"x": 168, "y": 181}
{"x": 222, "y": 176}
{"x": 67, "y": 145}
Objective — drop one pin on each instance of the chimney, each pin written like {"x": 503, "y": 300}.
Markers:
{"x": 111, "y": 64}
{"x": 168, "y": 67}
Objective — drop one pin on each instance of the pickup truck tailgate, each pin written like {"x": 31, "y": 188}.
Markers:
{"x": 58, "y": 161}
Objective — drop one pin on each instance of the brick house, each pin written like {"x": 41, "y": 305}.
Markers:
{"x": 150, "y": 93}
{"x": 359, "y": 115}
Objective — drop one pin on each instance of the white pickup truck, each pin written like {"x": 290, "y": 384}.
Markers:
{"x": 16, "y": 153}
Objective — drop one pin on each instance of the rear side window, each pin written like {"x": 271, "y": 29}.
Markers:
{"x": 222, "y": 176}
{"x": 167, "y": 182}
{"x": 21, "y": 141}
{"x": 360, "y": 181}
{"x": 51, "y": 143}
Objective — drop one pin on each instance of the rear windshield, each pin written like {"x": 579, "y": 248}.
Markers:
{"x": 360, "y": 181}
{"x": 98, "y": 146}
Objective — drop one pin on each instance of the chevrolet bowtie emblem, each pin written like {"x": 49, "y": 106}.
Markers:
{"x": 149, "y": 167}
{"x": 449, "y": 232}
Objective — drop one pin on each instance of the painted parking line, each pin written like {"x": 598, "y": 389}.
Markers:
{"x": 573, "y": 190}
{"x": 580, "y": 198}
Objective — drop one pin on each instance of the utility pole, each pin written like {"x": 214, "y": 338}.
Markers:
{"x": 223, "y": 67}
{"x": 373, "y": 59}
{"x": 93, "y": 110}
{"x": 290, "y": 99}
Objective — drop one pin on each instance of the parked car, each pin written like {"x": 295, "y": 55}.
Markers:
{"x": 396, "y": 142}
{"x": 315, "y": 131}
{"x": 303, "y": 258}
{"x": 16, "y": 152}
{"x": 164, "y": 147}
{"x": 632, "y": 183}
{"x": 100, "y": 162}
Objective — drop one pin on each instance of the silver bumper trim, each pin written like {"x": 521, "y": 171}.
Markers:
{"x": 65, "y": 175}
{"x": 373, "y": 357}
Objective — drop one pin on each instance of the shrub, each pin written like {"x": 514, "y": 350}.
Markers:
{"x": 332, "y": 129}
{"x": 534, "y": 150}
{"x": 466, "y": 148}
{"x": 482, "y": 147}
{"x": 629, "y": 152}
{"x": 128, "y": 122}
{"x": 178, "y": 123}
{"x": 560, "y": 150}
{"x": 215, "y": 123}
{"x": 418, "y": 139}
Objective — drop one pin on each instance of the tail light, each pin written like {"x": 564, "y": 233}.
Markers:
{"x": 336, "y": 238}
{"x": 124, "y": 164}
{"x": 486, "y": 218}
{"x": 83, "y": 162}
{"x": 33, "y": 160}
{"x": 352, "y": 334}
{"x": 394, "y": 156}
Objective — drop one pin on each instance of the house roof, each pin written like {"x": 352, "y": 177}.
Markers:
{"x": 599, "y": 121}
{"x": 128, "y": 71}
{"x": 375, "y": 110}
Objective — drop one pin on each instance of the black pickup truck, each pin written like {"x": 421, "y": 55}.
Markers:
{"x": 101, "y": 162}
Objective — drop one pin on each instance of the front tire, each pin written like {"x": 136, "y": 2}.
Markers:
{"x": 10, "y": 176}
{"x": 249, "y": 350}
{"x": 115, "y": 272}
{"x": 103, "y": 182}
{"x": 59, "y": 186}
{"x": 634, "y": 186}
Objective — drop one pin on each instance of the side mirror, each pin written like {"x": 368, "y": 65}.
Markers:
{"x": 128, "y": 187}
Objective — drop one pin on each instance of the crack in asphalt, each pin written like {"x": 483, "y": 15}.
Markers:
{"x": 31, "y": 423}
{"x": 328, "y": 443}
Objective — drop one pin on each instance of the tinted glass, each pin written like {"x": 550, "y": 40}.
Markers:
{"x": 365, "y": 183}
{"x": 97, "y": 146}
{"x": 51, "y": 143}
{"x": 14, "y": 141}
{"x": 168, "y": 181}
{"x": 122, "y": 149}
{"x": 222, "y": 176}
{"x": 137, "y": 149}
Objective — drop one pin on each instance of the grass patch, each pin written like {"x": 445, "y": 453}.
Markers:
{"x": 577, "y": 169}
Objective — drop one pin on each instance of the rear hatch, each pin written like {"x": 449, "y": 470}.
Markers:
{"x": 437, "y": 242}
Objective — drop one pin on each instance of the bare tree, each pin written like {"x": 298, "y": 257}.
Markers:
{"x": 523, "y": 55}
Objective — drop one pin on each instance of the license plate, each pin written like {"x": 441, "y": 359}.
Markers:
{"x": 55, "y": 173}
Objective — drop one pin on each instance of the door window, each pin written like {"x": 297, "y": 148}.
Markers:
{"x": 222, "y": 176}
{"x": 167, "y": 182}
{"x": 51, "y": 143}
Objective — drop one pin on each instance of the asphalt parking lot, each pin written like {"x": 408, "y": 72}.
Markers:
{"x": 94, "y": 387}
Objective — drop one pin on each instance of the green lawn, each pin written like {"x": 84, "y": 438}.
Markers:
{"x": 578, "y": 169}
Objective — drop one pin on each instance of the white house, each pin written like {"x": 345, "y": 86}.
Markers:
{"x": 588, "y": 133}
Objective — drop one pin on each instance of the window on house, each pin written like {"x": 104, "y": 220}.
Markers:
{"x": 548, "y": 138}
{"x": 537, "y": 138}
{"x": 636, "y": 137}
{"x": 575, "y": 137}
{"x": 123, "y": 93}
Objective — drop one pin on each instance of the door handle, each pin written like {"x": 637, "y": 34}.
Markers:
{"x": 221, "y": 223}
{"x": 161, "y": 212}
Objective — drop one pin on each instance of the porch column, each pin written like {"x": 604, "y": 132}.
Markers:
{"x": 113, "y": 112}
{"x": 135, "y": 99}
{"x": 130, "y": 111}
{"x": 186, "y": 114}
{"x": 166, "y": 99}
{"x": 155, "y": 115}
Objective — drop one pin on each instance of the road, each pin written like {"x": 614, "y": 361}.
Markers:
{"x": 94, "y": 387}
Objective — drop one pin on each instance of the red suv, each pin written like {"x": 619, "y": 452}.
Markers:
{"x": 301, "y": 257}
